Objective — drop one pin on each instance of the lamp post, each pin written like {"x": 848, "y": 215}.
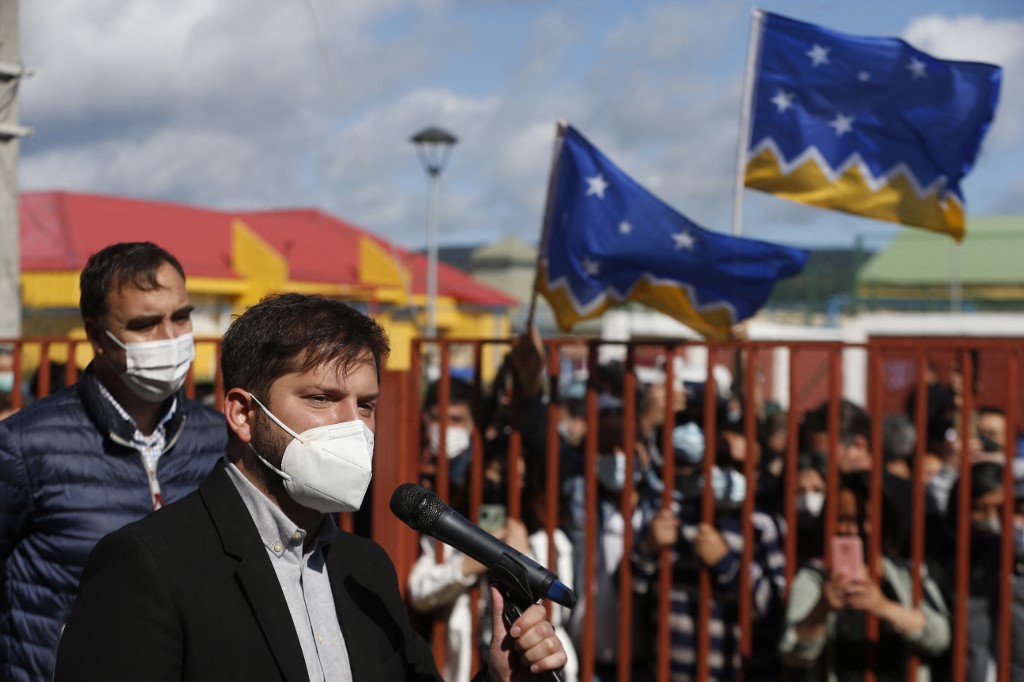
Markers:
{"x": 434, "y": 147}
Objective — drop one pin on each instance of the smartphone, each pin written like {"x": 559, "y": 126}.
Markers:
{"x": 492, "y": 517}
{"x": 848, "y": 555}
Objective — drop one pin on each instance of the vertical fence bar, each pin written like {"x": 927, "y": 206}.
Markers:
{"x": 874, "y": 548}
{"x": 918, "y": 503}
{"x": 590, "y": 523}
{"x": 70, "y": 369}
{"x": 963, "y": 527}
{"x": 515, "y": 448}
{"x": 749, "y": 358}
{"x": 625, "y": 646}
{"x": 16, "y": 393}
{"x": 43, "y": 373}
{"x": 921, "y": 425}
{"x": 439, "y": 628}
{"x": 792, "y": 448}
{"x": 552, "y": 461}
{"x": 665, "y": 559}
{"x": 707, "y": 515}
{"x": 476, "y": 492}
{"x": 831, "y": 468}
{"x": 1009, "y": 505}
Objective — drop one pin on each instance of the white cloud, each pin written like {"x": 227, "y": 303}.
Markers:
{"x": 236, "y": 103}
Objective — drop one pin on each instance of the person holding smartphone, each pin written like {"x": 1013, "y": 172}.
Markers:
{"x": 828, "y": 606}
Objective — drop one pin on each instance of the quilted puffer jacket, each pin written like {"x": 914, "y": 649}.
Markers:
{"x": 68, "y": 476}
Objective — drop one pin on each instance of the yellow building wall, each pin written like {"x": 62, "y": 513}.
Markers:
{"x": 49, "y": 289}
{"x": 263, "y": 268}
{"x": 401, "y": 333}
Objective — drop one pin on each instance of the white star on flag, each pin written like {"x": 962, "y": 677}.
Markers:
{"x": 592, "y": 267}
{"x": 783, "y": 100}
{"x": 818, "y": 55}
{"x": 683, "y": 240}
{"x": 596, "y": 186}
{"x": 625, "y": 227}
{"x": 916, "y": 67}
{"x": 864, "y": 76}
{"x": 842, "y": 124}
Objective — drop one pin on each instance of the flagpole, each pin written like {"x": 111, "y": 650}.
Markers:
{"x": 753, "y": 48}
{"x": 560, "y": 127}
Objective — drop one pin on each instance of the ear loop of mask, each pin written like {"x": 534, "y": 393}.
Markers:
{"x": 116, "y": 340}
{"x": 277, "y": 421}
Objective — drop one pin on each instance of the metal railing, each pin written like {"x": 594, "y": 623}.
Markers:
{"x": 795, "y": 377}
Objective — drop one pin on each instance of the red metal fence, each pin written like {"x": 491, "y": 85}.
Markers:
{"x": 789, "y": 378}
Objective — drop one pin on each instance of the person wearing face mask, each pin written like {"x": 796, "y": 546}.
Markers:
{"x": 249, "y": 578}
{"x": 6, "y": 381}
{"x": 84, "y": 461}
{"x": 825, "y": 635}
{"x": 810, "y": 505}
{"x": 458, "y": 427}
{"x": 985, "y": 594}
{"x": 717, "y": 547}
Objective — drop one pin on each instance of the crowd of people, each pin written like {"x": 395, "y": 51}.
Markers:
{"x": 813, "y": 628}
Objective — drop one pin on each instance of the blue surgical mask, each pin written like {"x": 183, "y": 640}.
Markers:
{"x": 688, "y": 443}
{"x": 6, "y": 382}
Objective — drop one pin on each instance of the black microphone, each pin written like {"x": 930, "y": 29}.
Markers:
{"x": 424, "y": 511}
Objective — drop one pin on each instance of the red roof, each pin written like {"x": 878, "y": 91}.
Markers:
{"x": 318, "y": 247}
{"x": 60, "y": 230}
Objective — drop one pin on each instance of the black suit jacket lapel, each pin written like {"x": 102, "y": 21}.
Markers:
{"x": 256, "y": 576}
{"x": 357, "y": 643}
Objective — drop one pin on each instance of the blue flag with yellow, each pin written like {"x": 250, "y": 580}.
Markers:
{"x": 866, "y": 125}
{"x": 608, "y": 240}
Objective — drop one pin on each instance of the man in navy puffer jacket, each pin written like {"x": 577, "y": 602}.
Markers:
{"x": 99, "y": 454}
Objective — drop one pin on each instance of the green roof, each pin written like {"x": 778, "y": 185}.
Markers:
{"x": 992, "y": 253}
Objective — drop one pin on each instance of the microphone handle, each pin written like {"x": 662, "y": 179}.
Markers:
{"x": 510, "y": 613}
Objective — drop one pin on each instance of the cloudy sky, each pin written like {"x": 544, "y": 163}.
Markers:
{"x": 310, "y": 103}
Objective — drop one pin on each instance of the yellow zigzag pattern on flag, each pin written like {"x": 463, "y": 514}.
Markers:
{"x": 673, "y": 299}
{"x": 895, "y": 199}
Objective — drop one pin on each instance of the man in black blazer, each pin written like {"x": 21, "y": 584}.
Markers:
{"x": 249, "y": 578}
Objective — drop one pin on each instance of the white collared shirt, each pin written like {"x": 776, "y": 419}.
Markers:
{"x": 304, "y": 581}
{"x": 149, "y": 447}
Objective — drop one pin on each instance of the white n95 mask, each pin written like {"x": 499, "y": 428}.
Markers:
{"x": 811, "y": 502}
{"x": 327, "y": 468}
{"x": 456, "y": 440}
{"x": 155, "y": 370}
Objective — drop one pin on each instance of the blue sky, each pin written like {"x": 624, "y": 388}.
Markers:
{"x": 284, "y": 103}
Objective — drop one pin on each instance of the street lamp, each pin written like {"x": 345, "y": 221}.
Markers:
{"x": 434, "y": 147}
